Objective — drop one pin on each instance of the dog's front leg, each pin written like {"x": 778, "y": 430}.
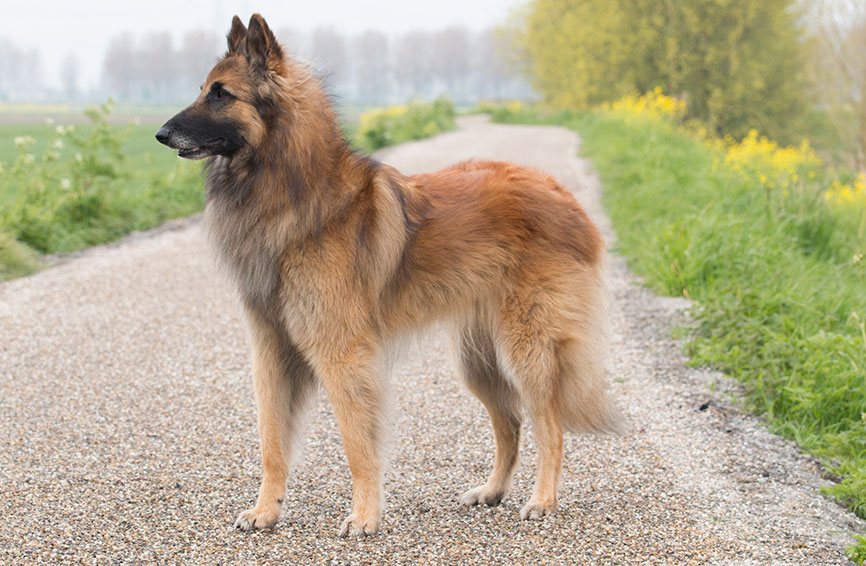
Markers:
{"x": 283, "y": 384}
{"x": 355, "y": 386}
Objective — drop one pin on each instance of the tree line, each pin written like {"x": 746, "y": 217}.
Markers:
{"x": 370, "y": 68}
{"x": 367, "y": 68}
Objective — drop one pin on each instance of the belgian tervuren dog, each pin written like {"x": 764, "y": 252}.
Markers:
{"x": 335, "y": 256}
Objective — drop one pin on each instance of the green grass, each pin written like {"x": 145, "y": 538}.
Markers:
{"x": 143, "y": 155}
{"x": 63, "y": 191}
{"x": 779, "y": 286}
{"x": 107, "y": 179}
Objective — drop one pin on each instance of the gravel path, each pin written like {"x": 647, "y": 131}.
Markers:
{"x": 127, "y": 429}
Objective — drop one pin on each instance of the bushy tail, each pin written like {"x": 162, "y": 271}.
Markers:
{"x": 585, "y": 404}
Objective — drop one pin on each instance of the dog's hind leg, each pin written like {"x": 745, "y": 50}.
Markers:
{"x": 356, "y": 388}
{"x": 283, "y": 385}
{"x": 527, "y": 352}
{"x": 477, "y": 358}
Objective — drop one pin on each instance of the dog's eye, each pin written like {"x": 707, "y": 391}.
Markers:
{"x": 220, "y": 93}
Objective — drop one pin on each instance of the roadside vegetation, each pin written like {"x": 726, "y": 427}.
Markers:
{"x": 81, "y": 185}
{"x": 382, "y": 127}
{"x": 67, "y": 187}
{"x": 714, "y": 194}
{"x": 769, "y": 242}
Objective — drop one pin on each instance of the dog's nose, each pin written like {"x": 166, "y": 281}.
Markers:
{"x": 163, "y": 134}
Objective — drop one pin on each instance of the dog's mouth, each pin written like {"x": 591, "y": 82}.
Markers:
{"x": 201, "y": 151}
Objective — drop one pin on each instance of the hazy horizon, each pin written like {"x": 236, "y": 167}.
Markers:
{"x": 83, "y": 29}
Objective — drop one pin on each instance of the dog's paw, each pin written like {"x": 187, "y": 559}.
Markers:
{"x": 257, "y": 519}
{"x": 482, "y": 494}
{"x": 536, "y": 510}
{"x": 356, "y": 526}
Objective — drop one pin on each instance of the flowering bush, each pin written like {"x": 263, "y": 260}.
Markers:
{"x": 654, "y": 105}
{"x": 397, "y": 124}
{"x": 773, "y": 166}
{"x": 848, "y": 193}
{"x": 755, "y": 156}
{"x": 57, "y": 198}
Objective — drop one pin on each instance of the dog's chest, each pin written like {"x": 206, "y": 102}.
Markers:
{"x": 244, "y": 249}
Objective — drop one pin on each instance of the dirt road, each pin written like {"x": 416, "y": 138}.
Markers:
{"x": 127, "y": 429}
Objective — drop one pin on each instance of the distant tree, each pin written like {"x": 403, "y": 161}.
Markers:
{"x": 330, "y": 57}
{"x": 20, "y": 72}
{"x": 371, "y": 67}
{"x": 8, "y": 66}
{"x": 490, "y": 70}
{"x": 839, "y": 70}
{"x": 738, "y": 63}
{"x": 451, "y": 60}
{"x": 119, "y": 70}
{"x": 159, "y": 67}
{"x": 413, "y": 65}
{"x": 199, "y": 52}
{"x": 69, "y": 76}
{"x": 295, "y": 41}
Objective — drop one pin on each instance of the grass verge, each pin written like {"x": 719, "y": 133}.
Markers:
{"x": 777, "y": 274}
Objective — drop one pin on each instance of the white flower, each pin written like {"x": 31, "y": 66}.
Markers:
{"x": 23, "y": 141}
{"x": 58, "y": 144}
{"x": 60, "y": 130}
{"x": 65, "y": 183}
{"x": 79, "y": 158}
{"x": 29, "y": 158}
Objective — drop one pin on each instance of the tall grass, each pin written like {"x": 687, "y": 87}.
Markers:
{"x": 775, "y": 264}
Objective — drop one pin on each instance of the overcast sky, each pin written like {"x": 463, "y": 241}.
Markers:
{"x": 84, "y": 27}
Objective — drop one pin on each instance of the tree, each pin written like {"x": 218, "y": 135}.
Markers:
{"x": 119, "y": 67}
{"x": 370, "y": 55}
{"x": 329, "y": 55}
{"x": 451, "y": 59}
{"x": 839, "y": 70}
{"x": 158, "y": 67}
{"x": 738, "y": 63}
{"x": 199, "y": 51}
{"x": 294, "y": 42}
{"x": 20, "y": 72}
{"x": 412, "y": 63}
{"x": 69, "y": 76}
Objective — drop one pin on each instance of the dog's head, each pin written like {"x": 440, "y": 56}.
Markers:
{"x": 230, "y": 114}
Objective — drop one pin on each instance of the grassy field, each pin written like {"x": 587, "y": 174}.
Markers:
{"x": 770, "y": 245}
{"x": 142, "y": 153}
{"x": 68, "y": 187}
{"x": 70, "y": 181}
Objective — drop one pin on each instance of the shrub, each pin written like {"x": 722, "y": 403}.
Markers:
{"x": 383, "y": 127}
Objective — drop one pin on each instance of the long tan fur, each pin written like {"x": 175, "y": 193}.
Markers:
{"x": 336, "y": 255}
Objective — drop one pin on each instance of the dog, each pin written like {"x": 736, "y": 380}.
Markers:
{"x": 336, "y": 256}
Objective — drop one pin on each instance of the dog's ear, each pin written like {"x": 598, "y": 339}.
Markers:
{"x": 237, "y": 38}
{"x": 263, "y": 50}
